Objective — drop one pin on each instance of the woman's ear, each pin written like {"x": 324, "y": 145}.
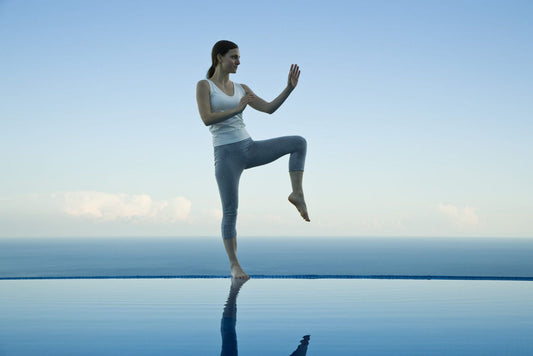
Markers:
{"x": 219, "y": 59}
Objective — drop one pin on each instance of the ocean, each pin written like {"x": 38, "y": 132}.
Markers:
{"x": 268, "y": 256}
{"x": 307, "y": 296}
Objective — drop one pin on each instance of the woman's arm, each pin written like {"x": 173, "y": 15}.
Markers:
{"x": 204, "y": 105}
{"x": 269, "y": 107}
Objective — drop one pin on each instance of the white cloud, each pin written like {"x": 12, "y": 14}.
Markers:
{"x": 465, "y": 216}
{"x": 110, "y": 207}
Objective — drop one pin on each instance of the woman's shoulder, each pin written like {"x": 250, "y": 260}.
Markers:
{"x": 244, "y": 87}
{"x": 203, "y": 84}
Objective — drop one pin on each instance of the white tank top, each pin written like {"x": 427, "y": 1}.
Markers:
{"x": 230, "y": 130}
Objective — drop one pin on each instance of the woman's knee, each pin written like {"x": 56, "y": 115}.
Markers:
{"x": 301, "y": 143}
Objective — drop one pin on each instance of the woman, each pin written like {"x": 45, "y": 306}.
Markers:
{"x": 221, "y": 103}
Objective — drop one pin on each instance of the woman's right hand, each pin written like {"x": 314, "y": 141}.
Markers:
{"x": 245, "y": 100}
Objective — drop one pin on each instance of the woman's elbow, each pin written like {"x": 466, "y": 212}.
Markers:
{"x": 270, "y": 109}
{"x": 206, "y": 121}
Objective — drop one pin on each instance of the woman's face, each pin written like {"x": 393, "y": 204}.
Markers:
{"x": 230, "y": 61}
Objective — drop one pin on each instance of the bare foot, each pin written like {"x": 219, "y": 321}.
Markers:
{"x": 237, "y": 283}
{"x": 238, "y": 273}
{"x": 297, "y": 199}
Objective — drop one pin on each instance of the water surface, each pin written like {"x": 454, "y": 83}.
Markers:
{"x": 271, "y": 316}
{"x": 90, "y": 257}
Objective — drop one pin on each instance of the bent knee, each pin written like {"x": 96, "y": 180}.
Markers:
{"x": 300, "y": 142}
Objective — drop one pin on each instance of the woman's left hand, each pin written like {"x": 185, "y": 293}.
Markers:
{"x": 294, "y": 74}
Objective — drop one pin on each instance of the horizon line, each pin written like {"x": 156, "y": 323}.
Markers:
{"x": 273, "y": 236}
{"x": 286, "y": 276}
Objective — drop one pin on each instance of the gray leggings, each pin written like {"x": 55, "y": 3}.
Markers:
{"x": 233, "y": 158}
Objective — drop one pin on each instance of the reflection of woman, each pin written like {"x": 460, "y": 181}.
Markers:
{"x": 301, "y": 350}
{"x": 229, "y": 320}
{"x": 221, "y": 103}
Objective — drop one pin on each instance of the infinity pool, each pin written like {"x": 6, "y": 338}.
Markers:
{"x": 265, "y": 317}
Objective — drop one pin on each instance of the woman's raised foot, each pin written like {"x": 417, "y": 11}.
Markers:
{"x": 297, "y": 199}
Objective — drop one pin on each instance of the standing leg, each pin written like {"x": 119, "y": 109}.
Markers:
{"x": 231, "y": 250}
{"x": 228, "y": 168}
{"x": 266, "y": 151}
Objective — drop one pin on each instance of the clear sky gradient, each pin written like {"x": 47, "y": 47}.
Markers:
{"x": 418, "y": 117}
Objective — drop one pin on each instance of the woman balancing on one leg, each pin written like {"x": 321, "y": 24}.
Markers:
{"x": 221, "y": 103}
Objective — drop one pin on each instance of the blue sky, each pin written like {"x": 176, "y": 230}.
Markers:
{"x": 417, "y": 114}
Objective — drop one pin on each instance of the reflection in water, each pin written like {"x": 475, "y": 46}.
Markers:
{"x": 229, "y": 319}
{"x": 302, "y": 348}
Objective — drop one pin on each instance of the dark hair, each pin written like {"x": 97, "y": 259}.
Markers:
{"x": 221, "y": 47}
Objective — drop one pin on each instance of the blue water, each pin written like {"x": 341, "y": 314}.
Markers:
{"x": 266, "y": 317}
{"x": 103, "y": 308}
{"x": 145, "y": 257}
